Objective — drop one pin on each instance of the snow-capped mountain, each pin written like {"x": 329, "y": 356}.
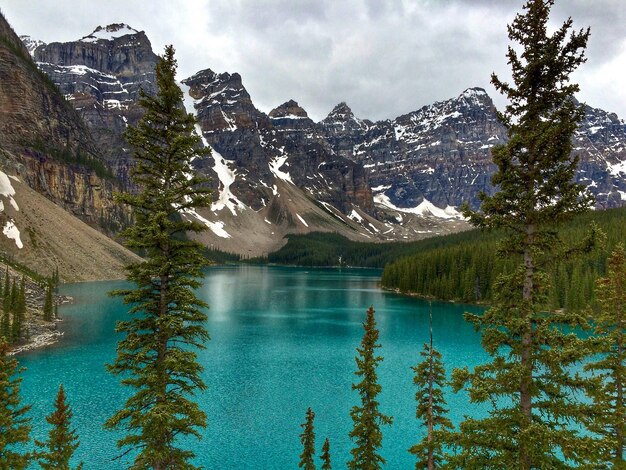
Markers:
{"x": 282, "y": 172}
{"x": 101, "y": 75}
{"x": 441, "y": 153}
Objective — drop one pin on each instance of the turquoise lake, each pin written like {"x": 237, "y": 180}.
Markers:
{"x": 282, "y": 339}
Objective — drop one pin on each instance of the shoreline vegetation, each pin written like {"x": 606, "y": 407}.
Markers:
{"x": 573, "y": 275}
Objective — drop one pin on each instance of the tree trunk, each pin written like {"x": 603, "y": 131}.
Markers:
{"x": 526, "y": 350}
{"x": 619, "y": 400}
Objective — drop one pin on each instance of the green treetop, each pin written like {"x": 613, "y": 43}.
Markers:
{"x": 157, "y": 357}
{"x": 609, "y": 419}
{"x": 367, "y": 418}
{"x": 307, "y": 438}
{"x": 529, "y": 382}
{"x": 62, "y": 440}
{"x": 14, "y": 424}
{"x": 325, "y": 457}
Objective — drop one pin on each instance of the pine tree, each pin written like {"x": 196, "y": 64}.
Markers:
{"x": 5, "y": 327}
{"x": 609, "y": 418}
{"x": 14, "y": 424}
{"x": 19, "y": 311}
{"x": 430, "y": 378}
{"x": 6, "y": 290}
{"x": 157, "y": 357}
{"x": 16, "y": 326}
{"x": 367, "y": 418}
{"x": 307, "y": 438}
{"x": 21, "y": 297}
{"x": 13, "y": 297}
{"x": 62, "y": 440}
{"x": 325, "y": 457}
{"x": 48, "y": 307}
{"x": 529, "y": 382}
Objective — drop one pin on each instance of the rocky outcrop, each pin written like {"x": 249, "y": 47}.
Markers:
{"x": 284, "y": 145}
{"x": 343, "y": 130}
{"x": 441, "y": 154}
{"x": 44, "y": 140}
{"x": 314, "y": 164}
{"x": 101, "y": 75}
{"x": 600, "y": 144}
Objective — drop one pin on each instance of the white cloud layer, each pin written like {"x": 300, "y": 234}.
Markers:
{"x": 384, "y": 58}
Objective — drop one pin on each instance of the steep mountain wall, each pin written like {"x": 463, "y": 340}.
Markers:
{"x": 44, "y": 141}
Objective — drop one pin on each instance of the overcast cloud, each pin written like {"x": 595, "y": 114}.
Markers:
{"x": 383, "y": 57}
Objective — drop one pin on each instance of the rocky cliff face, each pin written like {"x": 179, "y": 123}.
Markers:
{"x": 49, "y": 161}
{"x": 284, "y": 145}
{"x": 101, "y": 75}
{"x": 393, "y": 179}
{"x": 441, "y": 154}
{"x": 600, "y": 143}
{"x": 44, "y": 141}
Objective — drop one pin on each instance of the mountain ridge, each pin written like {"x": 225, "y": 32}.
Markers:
{"x": 394, "y": 179}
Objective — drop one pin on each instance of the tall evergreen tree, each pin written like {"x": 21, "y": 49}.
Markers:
{"x": 430, "y": 378}
{"x": 19, "y": 311}
{"x": 5, "y": 327}
{"x": 529, "y": 382}
{"x": 14, "y": 424}
{"x": 367, "y": 418}
{"x": 157, "y": 357}
{"x": 609, "y": 419}
{"x": 48, "y": 306}
{"x": 13, "y": 298}
{"x": 325, "y": 457}
{"x": 21, "y": 297}
{"x": 307, "y": 438}
{"x": 62, "y": 439}
{"x": 6, "y": 290}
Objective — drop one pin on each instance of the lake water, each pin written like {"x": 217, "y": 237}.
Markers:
{"x": 283, "y": 339}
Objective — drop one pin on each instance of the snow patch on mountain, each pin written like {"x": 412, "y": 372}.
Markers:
{"x": 216, "y": 227}
{"x": 8, "y": 191}
{"x": 225, "y": 174}
{"x": 616, "y": 168}
{"x": 354, "y": 215}
{"x": 302, "y": 220}
{"x": 12, "y": 232}
{"x": 276, "y": 164}
{"x": 109, "y": 33}
{"x": 425, "y": 208}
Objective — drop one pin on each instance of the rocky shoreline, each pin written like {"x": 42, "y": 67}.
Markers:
{"x": 38, "y": 341}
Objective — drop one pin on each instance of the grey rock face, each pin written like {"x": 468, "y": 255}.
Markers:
{"x": 286, "y": 144}
{"x": 442, "y": 152}
{"x": 101, "y": 75}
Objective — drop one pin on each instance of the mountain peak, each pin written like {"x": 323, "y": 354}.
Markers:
{"x": 31, "y": 44}
{"x": 109, "y": 32}
{"x": 476, "y": 95}
{"x": 291, "y": 109}
{"x": 341, "y": 112}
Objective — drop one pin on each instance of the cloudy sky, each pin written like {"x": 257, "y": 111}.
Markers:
{"x": 383, "y": 57}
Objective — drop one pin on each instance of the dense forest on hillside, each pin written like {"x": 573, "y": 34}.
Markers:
{"x": 331, "y": 249}
{"x": 465, "y": 270}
